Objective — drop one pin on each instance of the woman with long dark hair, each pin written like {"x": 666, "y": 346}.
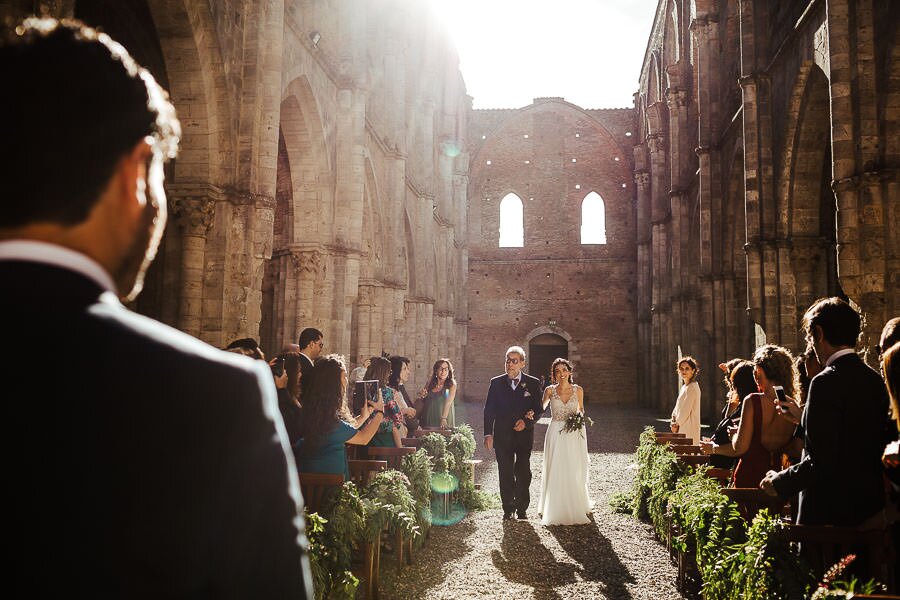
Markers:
{"x": 762, "y": 429}
{"x": 741, "y": 384}
{"x": 326, "y": 424}
{"x": 438, "y": 396}
{"x": 686, "y": 414}
{"x": 397, "y": 382}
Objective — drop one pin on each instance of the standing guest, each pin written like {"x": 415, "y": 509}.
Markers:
{"x": 311, "y": 343}
{"x": 398, "y": 379}
{"x": 686, "y": 415}
{"x": 762, "y": 430}
{"x": 163, "y": 470}
{"x": 438, "y": 395}
{"x": 890, "y": 366}
{"x": 740, "y": 385}
{"x": 392, "y": 430}
{"x": 843, "y": 423}
{"x": 512, "y": 406}
{"x": 890, "y": 335}
{"x": 327, "y": 423}
{"x": 808, "y": 366}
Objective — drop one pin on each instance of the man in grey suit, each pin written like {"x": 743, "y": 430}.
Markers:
{"x": 139, "y": 461}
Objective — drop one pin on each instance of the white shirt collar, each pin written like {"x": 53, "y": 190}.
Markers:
{"x": 311, "y": 361}
{"x": 839, "y": 354}
{"x": 58, "y": 256}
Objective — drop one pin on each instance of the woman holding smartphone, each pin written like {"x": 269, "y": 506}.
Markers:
{"x": 327, "y": 422}
{"x": 762, "y": 429}
{"x": 392, "y": 429}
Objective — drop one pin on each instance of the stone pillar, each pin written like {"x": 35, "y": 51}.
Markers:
{"x": 193, "y": 212}
{"x": 308, "y": 264}
{"x": 644, "y": 281}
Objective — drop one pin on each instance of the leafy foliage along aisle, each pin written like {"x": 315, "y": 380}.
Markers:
{"x": 735, "y": 559}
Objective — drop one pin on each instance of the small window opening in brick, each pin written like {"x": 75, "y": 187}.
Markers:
{"x": 627, "y": 134}
{"x": 577, "y": 135}
{"x": 624, "y": 185}
{"x": 574, "y": 160}
{"x": 616, "y": 159}
{"x": 593, "y": 219}
{"x": 487, "y": 162}
{"x": 577, "y": 186}
{"x": 512, "y": 222}
{"x": 525, "y": 136}
{"x": 484, "y": 137}
{"x": 527, "y": 162}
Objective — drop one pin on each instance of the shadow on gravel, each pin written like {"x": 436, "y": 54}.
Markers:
{"x": 441, "y": 549}
{"x": 523, "y": 559}
{"x": 599, "y": 562}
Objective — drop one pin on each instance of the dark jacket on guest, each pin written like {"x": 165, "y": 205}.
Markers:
{"x": 840, "y": 476}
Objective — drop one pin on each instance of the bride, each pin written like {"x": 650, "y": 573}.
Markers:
{"x": 565, "y": 499}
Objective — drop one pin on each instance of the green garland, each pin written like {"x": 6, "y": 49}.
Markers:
{"x": 418, "y": 469}
{"x": 333, "y": 536}
{"x": 390, "y": 504}
{"x": 735, "y": 560}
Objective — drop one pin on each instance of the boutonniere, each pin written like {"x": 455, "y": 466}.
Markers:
{"x": 527, "y": 393}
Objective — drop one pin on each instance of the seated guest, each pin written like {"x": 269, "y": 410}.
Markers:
{"x": 359, "y": 373}
{"x": 762, "y": 430}
{"x": 247, "y": 347}
{"x": 397, "y": 381}
{"x": 740, "y": 385}
{"x": 438, "y": 395}
{"x": 392, "y": 430}
{"x": 326, "y": 424}
{"x": 844, "y": 428}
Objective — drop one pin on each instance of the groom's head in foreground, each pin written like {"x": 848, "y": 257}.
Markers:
{"x": 87, "y": 133}
{"x": 515, "y": 361}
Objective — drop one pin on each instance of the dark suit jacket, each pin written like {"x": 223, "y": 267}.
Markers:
{"x": 840, "y": 475}
{"x": 140, "y": 462}
{"x": 306, "y": 368}
{"x": 505, "y": 406}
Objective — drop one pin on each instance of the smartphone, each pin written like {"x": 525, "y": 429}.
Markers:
{"x": 364, "y": 392}
{"x": 782, "y": 398}
{"x": 278, "y": 367}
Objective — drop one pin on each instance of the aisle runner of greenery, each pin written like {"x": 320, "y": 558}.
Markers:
{"x": 735, "y": 559}
{"x": 394, "y": 501}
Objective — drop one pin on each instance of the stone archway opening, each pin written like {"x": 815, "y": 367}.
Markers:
{"x": 542, "y": 351}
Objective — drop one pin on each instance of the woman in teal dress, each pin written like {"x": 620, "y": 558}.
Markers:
{"x": 392, "y": 429}
{"x": 438, "y": 396}
{"x": 327, "y": 423}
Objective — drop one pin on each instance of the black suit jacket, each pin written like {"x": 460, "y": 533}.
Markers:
{"x": 140, "y": 462}
{"x": 840, "y": 475}
{"x": 505, "y": 406}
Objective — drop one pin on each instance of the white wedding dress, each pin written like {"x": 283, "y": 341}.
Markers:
{"x": 565, "y": 499}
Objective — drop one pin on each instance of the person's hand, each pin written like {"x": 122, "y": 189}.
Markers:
{"x": 519, "y": 426}
{"x": 789, "y": 410}
{"x": 768, "y": 483}
{"x": 409, "y": 411}
{"x": 443, "y": 421}
{"x": 733, "y": 428}
{"x": 281, "y": 381}
{"x": 707, "y": 447}
{"x": 378, "y": 404}
{"x": 674, "y": 427}
{"x": 488, "y": 442}
{"x": 530, "y": 415}
{"x": 422, "y": 393}
{"x": 891, "y": 456}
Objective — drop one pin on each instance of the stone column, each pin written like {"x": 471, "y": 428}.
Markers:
{"x": 307, "y": 264}
{"x": 193, "y": 212}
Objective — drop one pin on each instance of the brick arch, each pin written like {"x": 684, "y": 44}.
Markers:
{"x": 806, "y": 148}
{"x": 188, "y": 39}
{"x": 301, "y": 126}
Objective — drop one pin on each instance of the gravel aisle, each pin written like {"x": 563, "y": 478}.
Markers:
{"x": 485, "y": 557}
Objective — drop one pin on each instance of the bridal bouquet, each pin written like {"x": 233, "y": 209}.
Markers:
{"x": 577, "y": 422}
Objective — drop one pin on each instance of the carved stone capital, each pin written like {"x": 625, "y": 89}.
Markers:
{"x": 194, "y": 214}
{"x": 676, "y": 98}
{"x": 642, "y": 178}
{"x": 656, "y": 143}
{"x": 307, "y": 261}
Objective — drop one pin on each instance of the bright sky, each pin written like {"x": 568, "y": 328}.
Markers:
{"x": 512, "y": 51}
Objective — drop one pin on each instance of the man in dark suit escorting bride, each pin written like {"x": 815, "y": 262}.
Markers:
{"x": 513, "y": 405}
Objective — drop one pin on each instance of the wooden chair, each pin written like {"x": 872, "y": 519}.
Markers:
{"x": 661, "y": 435}
{"x": 413, "y": 442}
{"x": 362, "y": 471}
{"x": 393, "y": 456}
{"x": 752, "y": 500}
{"x": 722, "y": 475}
{"x": 473, "y": 462}
{"x": 681, "y": 450}
{"x": 694, "y": 460}
{"x": 316, "y": 486}
{"x": 822, "y": 546}
{"x": 678, "y": 442}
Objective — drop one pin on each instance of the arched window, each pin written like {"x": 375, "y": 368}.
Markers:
{"x": 593, "y": 220}
{"x": 512, "y": 217}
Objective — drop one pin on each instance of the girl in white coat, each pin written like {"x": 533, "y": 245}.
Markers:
{"x": 686, "y": 416}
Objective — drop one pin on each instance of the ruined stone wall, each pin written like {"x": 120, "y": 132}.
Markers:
{"x": 552, "y": 154}
{"x": 763, "y": 177}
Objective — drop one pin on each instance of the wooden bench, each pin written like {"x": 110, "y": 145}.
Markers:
{"x": 682, "y": 450}
{"x": 393, "y": 456}
{"x": 423, "y": 431}
{"x": 823, "y": 546}
{"x": 694, "y": 460}
{"x": 723, "y": 476}
{"x": 413, "y": 442}
{"x": 316, "y": 487}
{"x": 752, "y": 500}
{"x": 362, "y": 471}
